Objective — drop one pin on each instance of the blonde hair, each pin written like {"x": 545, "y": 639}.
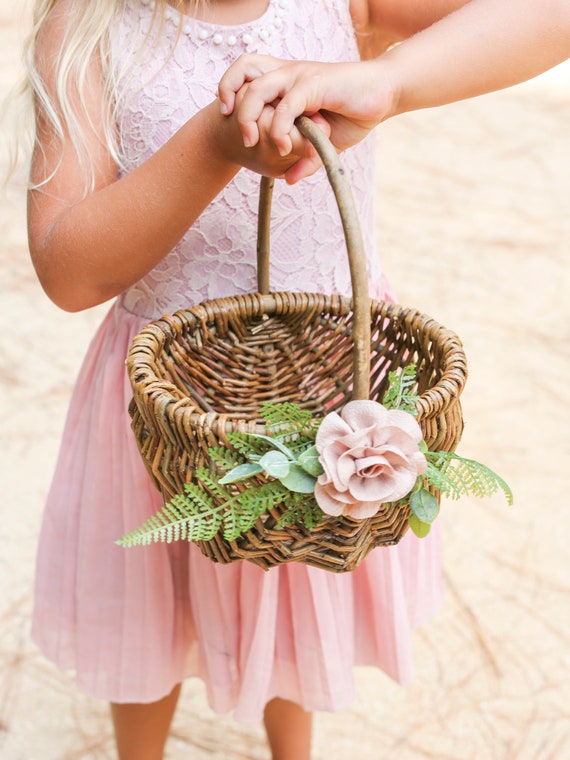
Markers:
{"x": 86, "y": 39}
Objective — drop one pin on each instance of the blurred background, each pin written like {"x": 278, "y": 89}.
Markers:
{"x": 474, "y": 229}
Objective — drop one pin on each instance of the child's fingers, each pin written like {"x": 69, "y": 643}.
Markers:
{"x": 303, "y": 146}
{"x": 300, "y": 146}
{"x": 251, "y": 103}
{"x": 295, "y": 88}
{"x": 273, "y": 87}
{"x": 245, "y": 69}
{"x": 262, "y": 80}
{"x": 292, "y": 104}
{"x": 303, "y": 168}
{"x": 310, "y": 160}
{"x": 321, "y": 122}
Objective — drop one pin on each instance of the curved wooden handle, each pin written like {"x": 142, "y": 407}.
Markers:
{"x": 354, "y": 245}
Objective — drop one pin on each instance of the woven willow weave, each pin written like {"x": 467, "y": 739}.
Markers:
{"x": 204, "y": 372}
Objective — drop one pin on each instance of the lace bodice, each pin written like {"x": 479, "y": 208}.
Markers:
{"x": 177, "y": 76}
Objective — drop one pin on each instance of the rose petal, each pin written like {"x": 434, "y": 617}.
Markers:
{"x": 419, "y": 461}
{"x": 360, "y": 510}
{"x": 335, "y": 506}
{"x": 393, "y": 453}
{"x": 390, "y": 488}
{"x": 332, "y": 427}
{"x": 327, "y": 502}
{"x": 329, "y": 459}
{"x": 373, "y": 466}
{"x": 364, "y": 414}
{"x": 345, "y": 469}
{"x": 405, "y": 422}
{"x": 343, "y": 494}
{"x": 393, "y": 436}
{"x": 356, "y": 438}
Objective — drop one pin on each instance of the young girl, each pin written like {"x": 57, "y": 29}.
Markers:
{"x": 137, "y": 194}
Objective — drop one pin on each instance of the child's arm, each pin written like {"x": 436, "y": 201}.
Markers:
{"x": 89, "y": 248}
{"x": 483, "y": 46}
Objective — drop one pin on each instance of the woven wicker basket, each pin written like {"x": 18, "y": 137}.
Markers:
{"x": 204, "y": 372}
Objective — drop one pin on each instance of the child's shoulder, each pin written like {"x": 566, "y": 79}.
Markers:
{"x": 55, "y": 23}
{"x": 378, "y": 24}
{"x": 381, "y": 23}
{"x": 60, "y": 13}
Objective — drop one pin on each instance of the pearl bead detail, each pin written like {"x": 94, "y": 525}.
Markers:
{"x": 205, "y": 33}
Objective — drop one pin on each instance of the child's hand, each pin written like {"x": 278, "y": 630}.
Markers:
{"x": 351, "y": 97}
{"x": 262, "y": 155}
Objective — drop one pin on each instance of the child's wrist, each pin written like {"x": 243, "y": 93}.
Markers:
{"x": 221, "y": 137}
{"x": 389, "y": 88}
{"x": 371, "y": 91}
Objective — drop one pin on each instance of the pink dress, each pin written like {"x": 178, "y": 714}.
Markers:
{"x": 132, "y": 623}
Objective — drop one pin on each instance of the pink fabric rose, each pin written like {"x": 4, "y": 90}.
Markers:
{"x": 370, "y": 456}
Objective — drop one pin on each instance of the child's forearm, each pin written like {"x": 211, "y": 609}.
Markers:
{"x": 91, "y": 250}
{"x": 484, "y": 46}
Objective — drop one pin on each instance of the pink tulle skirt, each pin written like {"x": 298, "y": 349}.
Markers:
{"x": 132, "y": 623}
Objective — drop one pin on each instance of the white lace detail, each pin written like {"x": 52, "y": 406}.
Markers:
{"x": 216, "y": 257}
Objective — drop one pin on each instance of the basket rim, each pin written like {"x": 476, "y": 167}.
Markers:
{"x": 140, "y": 360}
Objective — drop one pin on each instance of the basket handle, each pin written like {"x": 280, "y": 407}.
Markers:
{"x": 354, "y": 245}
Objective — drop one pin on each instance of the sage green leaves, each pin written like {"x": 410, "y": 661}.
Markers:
{"x": 424, "y": 508}
{"x": 297, "y": 472}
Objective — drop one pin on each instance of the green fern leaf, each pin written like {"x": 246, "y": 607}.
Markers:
{"x": 399, "y": 394}
{"x": 212, "y": 485}
{"x": 456, "y": 476}
{"x": 256, "y": 502}
{"x": 189, "y": 516}
{"x": 300, "y": 510}
{"x": 224, "y": 457}
{"x": 285, "y": 418}
{"x": 246, "y": 444}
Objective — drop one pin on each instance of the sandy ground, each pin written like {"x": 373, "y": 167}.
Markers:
{"x": 474, "y": 227}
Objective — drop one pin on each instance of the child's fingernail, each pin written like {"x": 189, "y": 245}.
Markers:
{"x": 247, "y": 141}
{"x": 223, "y": 107}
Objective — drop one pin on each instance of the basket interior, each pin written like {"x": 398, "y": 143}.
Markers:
{"x": 231, "y": 362}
